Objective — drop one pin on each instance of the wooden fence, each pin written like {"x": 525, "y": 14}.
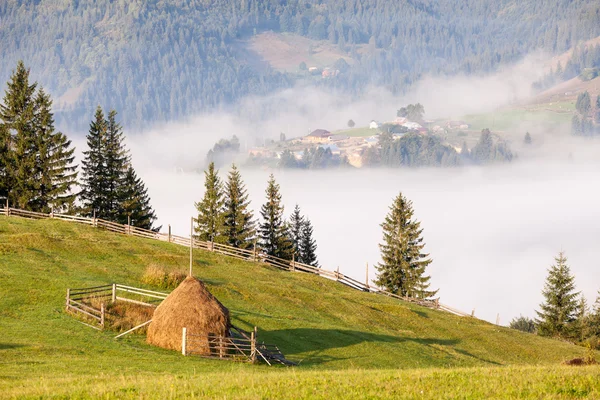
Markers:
{"x": 239, "y": 346}
{"x": 81, "y": 301}
{"x": 254, "y": 255}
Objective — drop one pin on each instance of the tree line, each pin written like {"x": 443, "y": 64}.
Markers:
{"x": 37, "y": 170}
{"x": 588, "y": 112}
{"x": 224, "y": 216}
{"x": 157, "y": 62}
{"x": 565, "y": 312}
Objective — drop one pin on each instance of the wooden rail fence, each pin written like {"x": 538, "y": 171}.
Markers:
{"x": 80, "y": 300}
{"x": 254, "y": 255}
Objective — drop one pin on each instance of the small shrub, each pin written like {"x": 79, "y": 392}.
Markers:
{"x": 523, "y": 324}
{"x": 157, "y": 276}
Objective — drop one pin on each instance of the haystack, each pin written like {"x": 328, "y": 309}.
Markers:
{"x": 192, "y": 306}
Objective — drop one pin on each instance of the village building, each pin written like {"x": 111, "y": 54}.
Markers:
{"x": 335, "y": 150}
{"x": 411, "y": 125}
{"x": 371, "y": 141}
{"x": 400, "y": 121}
{"x": 457, "y": 125}
{"x": 319, "y": 136}
{"x": 374, "y": 124}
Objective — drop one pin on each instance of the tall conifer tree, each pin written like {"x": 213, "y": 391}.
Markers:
{"x": 93, "y": 194}
{"x": 5, "y": 163}
{"x": 17, "y": 113}
{"x": 54, "y": 171}
{"x": 308, "y": 245}
{"x": 273, "y": 230}
{"x": 135, "y": 202}
{"x": 210, "y": 209}
{"x": 295, "y": 228}
{"x": 402, "y": 270}
{"x": 116, "y": 160}
{"x": 238, "y": 218}
{"x": 559, "y": 310}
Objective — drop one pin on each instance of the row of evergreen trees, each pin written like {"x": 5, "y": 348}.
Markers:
{"x": 564, "y": 313}
{"x": 224, "y": 216}
{"x": 111, "y": 188}
{"x": 37, "y": 170}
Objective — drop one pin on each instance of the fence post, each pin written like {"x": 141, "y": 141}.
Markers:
{"x": 337, "y": 273}
{"x": 473, "y": 313}
{"x": 68, "y": 298}
{"x": 169, "y": 233}
{"x": 498, "y": 319}
{"x": 94, "y": 222}
{"x": 102, "y": 309}
{"x": 255, "y": 258}
{"x": 52, "y": 213}
{"x": 114, "y": 292}
{"x": 367, "y": 278}
{"x": 221, "y": 349}
{"x": 183, "y": 341}
{"x": 253, "y": 346}
{"x": 293, "y": 264}
{"x": 7, "y": 207}
{"x": 129, "y": 224}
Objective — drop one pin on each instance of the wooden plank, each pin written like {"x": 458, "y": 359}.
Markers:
{"x": 141, "y": 303}
{"x": 71, "y": 307}
{"x": 133, "y": 329}
{"x": 142, "y": 290}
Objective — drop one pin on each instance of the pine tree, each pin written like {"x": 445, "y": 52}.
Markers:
{"x": 308, "y": 246}
{"x": 17, "y": 113}
{"x": 595, "y": 317}
{"x": 560, "y": 307}
{"x": 94, "y": 182}
{"x": 5, "y": 163}
{"x": 210, "y": 210}
{"x": 483, "y": 151}
{"x": 116, "y": 159}
{"x": 135, "y": 203}
{"x": 238, "y": 218}
{"x": 581, "y": 329}
{"x": 273, "y": 230}
{"x": 54, "y": 169}
{"x": 295, "y": 229}
{"x": 527, "y": 139}
{"x": 584, "y": 103}
{"x": 402, "y": 270}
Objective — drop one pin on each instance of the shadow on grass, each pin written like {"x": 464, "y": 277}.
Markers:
{"x": 317, "y": 342}
{"x": 10, "y": 346}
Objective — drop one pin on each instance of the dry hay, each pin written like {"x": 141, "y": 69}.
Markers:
{"x": 192, "y": 306}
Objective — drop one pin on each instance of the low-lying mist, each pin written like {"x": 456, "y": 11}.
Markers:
{"x": 491, "y": 231}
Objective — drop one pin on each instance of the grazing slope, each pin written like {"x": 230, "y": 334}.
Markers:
{"x": 322, "y": 324}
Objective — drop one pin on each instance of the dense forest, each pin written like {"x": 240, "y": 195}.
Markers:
{"x": 162, "y": 60}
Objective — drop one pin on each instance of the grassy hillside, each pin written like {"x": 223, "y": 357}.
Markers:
{"x": 322, "y": 324}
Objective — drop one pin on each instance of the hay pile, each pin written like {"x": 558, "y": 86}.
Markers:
{"x": 192, "y": 306}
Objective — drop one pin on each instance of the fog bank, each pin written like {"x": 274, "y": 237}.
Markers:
{"x": 492, "y": 232}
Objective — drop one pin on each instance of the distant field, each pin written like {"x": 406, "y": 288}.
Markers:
{"x": 285, "y": 51}
{"x": 357, "y": 132}
{"x": 540, "y": 116}
{"x": 348, "y": 343}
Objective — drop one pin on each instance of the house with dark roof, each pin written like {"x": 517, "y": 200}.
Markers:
{"x": 319, "y": 136}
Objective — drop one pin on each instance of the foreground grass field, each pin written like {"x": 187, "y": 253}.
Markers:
{"x": 348, "y": 343}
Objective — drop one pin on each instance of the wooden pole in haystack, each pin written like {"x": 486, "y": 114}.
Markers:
{"x": 191, "y": 243}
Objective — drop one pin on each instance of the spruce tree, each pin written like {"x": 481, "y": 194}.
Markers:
{"x": 94, "y": 182}
{"x": 295, "y": 229}
{"x": 527, "y": 139}
{"x": 402, "y": 270}
{"x": 5, "y": 163}
{"x": 210, "y": 226}
{"x": 54, "y": 169}
{"x": 308, "y": 246}
{"x": 238, "y": 218}
{"x": 17, "y": 112}
{"x": 116, "y": 159}
{"x": 559, "y": 310}
{"x": 273, "y": 230}
{"x": 135, "y": 202}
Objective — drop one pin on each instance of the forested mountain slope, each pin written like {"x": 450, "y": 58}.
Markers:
{"x": 161, "y": 60}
